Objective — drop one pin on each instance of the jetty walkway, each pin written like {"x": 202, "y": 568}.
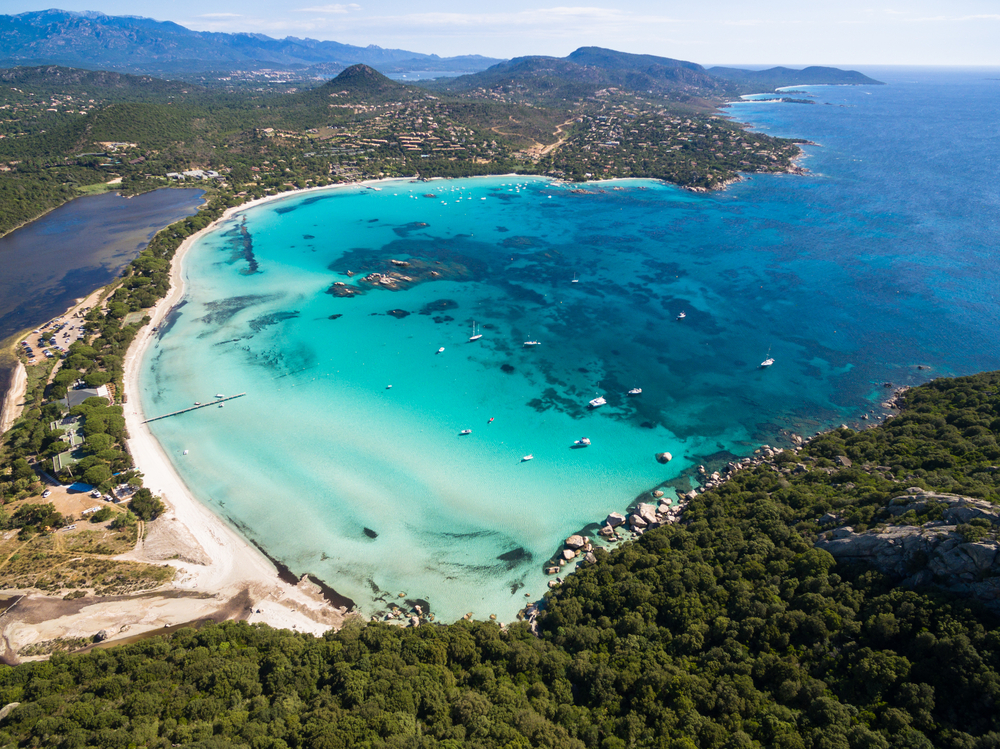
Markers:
{"x": 195, "y": 408}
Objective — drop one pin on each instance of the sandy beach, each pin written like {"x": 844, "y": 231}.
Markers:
{"x": 13, "y": 400}
{"x": 219, "y": 574}
{"x": 233, "y": 565}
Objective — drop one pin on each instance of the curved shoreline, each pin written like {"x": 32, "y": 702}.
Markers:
{"x": 235, "y": 565}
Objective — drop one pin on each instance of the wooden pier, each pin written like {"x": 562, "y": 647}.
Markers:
{"x": 215, "y": 402}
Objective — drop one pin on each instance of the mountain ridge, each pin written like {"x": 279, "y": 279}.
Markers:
{"x": 589, "y": 69}
{"x": 138, "y": 44}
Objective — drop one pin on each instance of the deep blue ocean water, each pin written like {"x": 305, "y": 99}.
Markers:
{"x": 877, "y": 267}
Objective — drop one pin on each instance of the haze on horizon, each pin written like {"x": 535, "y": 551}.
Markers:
{"x": 790, "y": 32}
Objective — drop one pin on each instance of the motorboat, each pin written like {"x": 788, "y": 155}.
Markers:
{"x": 464, "y": 432}
{"x": 597, "y": 402}
{"x": 682, "y": 315}
{"x": 219, "y": 395}
{"x": 766, "y": 363}
{"x": 582, "y": 442}
{"x": 388, "y": 387}
{"x": 527, "y": 457}
{"x": 440, "y": 349}
{"x": 635, "y": 391}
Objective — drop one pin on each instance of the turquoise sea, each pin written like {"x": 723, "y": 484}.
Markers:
{"x": 882, "y": 260}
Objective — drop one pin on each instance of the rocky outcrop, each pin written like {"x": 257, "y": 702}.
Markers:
{"x": 614, "y": 519}
{"x": 941, "y": 552}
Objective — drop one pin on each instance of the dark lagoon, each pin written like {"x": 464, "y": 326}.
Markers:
{"x": 50, "y": 263}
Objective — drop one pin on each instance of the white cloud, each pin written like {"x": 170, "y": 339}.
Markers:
{"x": 556, "y": 22}
{"x": 953, "y": 19}
{"x": 336, "y": 9}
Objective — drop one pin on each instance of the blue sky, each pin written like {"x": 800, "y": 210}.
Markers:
{"x": 858, "y": 32}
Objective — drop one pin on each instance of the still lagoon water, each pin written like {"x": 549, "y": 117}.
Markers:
{"x": 48, "y": 264}
{"x": 880, "y": 262}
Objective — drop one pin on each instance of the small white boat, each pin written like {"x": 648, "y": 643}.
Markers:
{"x": 682, "y": 315}
{"x": 635, "y": 391}
{"x": 529, "y": 456}
{"x": 597, "y": 402}
{"x": 197, "y": 403}
{"x": 575, "y": 279}
{"x": 464, "y": 432}
{"x": 185, "y": 452}
{"x": 531, "y": 343}
{"x": 441, "y": 349}
{"x": 475, "y": 336}
{"x": 388, "y": 387}
{"x": 766, "y": 363}
{"x": 219, "y": 395}
{"x": 583, "y": 442}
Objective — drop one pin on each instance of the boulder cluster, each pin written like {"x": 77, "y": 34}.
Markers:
{"x": 957, "y": 552}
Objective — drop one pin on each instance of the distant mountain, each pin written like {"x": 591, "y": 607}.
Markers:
{"x": 143, "y": 45}
{"x": 590, "y": 69}
{"x": 772, "y": 78}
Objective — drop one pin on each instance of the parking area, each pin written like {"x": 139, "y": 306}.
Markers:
{"x": 54, "y": 338}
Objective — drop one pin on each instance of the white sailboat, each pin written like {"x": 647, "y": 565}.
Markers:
{"x": 475, "y": 336}
{"x": 768, "y": 361}
{"x": 597, "y": 402}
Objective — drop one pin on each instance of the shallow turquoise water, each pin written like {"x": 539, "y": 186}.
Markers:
{"x": 844, "y": 286}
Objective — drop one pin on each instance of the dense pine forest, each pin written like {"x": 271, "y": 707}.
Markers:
{"x": 729, "y": 629}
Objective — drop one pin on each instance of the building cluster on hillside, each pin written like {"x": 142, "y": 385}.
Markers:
{"x": 20, "y": 110}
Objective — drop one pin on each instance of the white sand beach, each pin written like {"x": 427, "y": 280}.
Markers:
{"x": 219, "y": 574}
{"x": 233, "y": 564}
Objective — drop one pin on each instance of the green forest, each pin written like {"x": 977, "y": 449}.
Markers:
{"x": 729, "y": 629}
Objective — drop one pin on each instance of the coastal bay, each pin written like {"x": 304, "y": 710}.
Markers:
{"x": 795, "y": 252}
{"x": 319, "y": 435}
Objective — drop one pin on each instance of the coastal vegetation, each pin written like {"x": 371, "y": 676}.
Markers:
{"x": 729, "y": 628}
{"x": 65, "y": 131}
